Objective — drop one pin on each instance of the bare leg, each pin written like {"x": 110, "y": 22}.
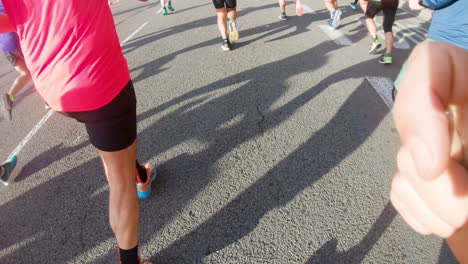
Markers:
{"x": 123, "y": 202}
{"x": 163, "y": 3}
{"x": 331, "y": 5}
{"x": 371, "y": 27}
{"x": 231, "y": 13}
{"x": 22, "y": 79}
{"x": 221, "y": 14}
{"x": 282, "y": 4}
{"x": 363, "y": 5}
{"x": 389, "y": 39}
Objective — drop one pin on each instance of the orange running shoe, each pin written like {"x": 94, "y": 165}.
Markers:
{"x": 144, "y": 188}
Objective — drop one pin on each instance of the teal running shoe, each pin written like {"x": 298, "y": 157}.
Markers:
{"x": 170, "y": 7}
{"x": 7, "y": 169}
{"x": 164, "y": 12}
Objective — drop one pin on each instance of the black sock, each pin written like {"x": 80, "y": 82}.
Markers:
{"x": 129, "y": 256}
{"x": 141, "y": 172}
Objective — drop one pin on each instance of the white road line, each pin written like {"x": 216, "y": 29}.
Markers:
{"x": 134, "y": 33}
{"x": 31, "y": 134}
{"x": 50, "y": 112}
{"x": 417, "y": 33}
{"x": 414, "y": 37}
{"x": 400, "y": 42}
{"x": 384, "y": 87}
{"x": 338, "y": 37}
{"x": 308, "y": 10}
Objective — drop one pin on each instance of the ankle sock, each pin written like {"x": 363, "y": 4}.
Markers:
{"x": 141, "y": 172}
{"x": 374, "y": 38}
{"x": 128, "y": 256}
{"x": 12, "y": 97}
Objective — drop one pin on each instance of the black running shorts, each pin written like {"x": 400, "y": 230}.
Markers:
{"x": 225, "y": 3}
{"x": 112, "y": 127}
{"x": 389, "y": 8}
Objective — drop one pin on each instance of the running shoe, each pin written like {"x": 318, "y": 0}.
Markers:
{"x": 226, "y": 46}
{"x": 299, "y": 8}
{"x": 7, "y": 104}
{"x": 233, "y": 33}
{"x": 169, "y": 6}
{"x": 330, "y": 24}
{"x": 283, "y": 17}
{"x": 376, "y": 45}
{"x": 336, "y": 18}
{"x": 144, "y": 188}
{"x": 353, "y": 5}
{"x": 7, "y": 170}
{"x": 164, "y": 12}
{"x": 386, "y": 59}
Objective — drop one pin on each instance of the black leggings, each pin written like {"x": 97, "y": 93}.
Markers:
{"x": 389, "y": 8}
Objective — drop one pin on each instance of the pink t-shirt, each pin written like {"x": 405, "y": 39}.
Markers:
{"x": 72, "y": 49}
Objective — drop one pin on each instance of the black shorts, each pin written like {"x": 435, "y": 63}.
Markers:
{"x": 389, "y": 8}
{"x": 225, "y": 3}
{"x": 14, "y": 57}
{"x": 112, "y": 127}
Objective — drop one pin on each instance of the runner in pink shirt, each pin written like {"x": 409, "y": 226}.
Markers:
{"x": 73, "y": 53}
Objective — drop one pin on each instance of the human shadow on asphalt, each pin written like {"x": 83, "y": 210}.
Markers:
{"x": 328, "y": 252}
{"x": 71, "y": 211}
{"x": 42, "y": 161}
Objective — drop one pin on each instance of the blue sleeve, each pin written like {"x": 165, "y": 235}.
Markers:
{"x": 437, "y": 4}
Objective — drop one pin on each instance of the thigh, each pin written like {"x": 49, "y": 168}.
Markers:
{"x": 114, "y": 126}
{"x": 219, "y": 4}
{"x": 373, "y": 8}
{"x": 231, "y": 3}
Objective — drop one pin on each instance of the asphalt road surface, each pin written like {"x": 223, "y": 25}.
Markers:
{"x": 280, "y": 151}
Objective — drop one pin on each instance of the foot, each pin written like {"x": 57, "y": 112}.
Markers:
{"x": 233, "y": 33}
{"x": 376, "y": 45}
{"x": 336, "y": 18}
{"x": 283, "y": 17}
{"x": 164, "y": 12}
{"x": 169, "y": 6}
{"x": 144, "y": 188}
{"x": 6, "y": 105}
{"x": 330, "y": 24}
{"x": 299, "y": 8}
{"x": 386, "y": 59}
{"x": 226, "y": 45}
{"x": 353, "y": 5}
{"x": 7, "y": 169}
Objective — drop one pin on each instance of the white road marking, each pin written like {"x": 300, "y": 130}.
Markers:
{"x": 384, "y": 87}
{"x": 134, "y": 33}
{"x": 414, "y": 37}
{"x": 50, "y": 112}
{"x": 31, "y": 134}
{"x": 338, "y": 37}
{"x": 400, "y": 42}
{"x": 307, "y": 9}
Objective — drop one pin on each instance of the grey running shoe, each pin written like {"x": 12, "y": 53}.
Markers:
{"x": 226, "y": 46}
{"x": 283, "y": 17}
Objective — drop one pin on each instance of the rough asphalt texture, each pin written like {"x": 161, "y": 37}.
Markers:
{"x": 277, "y": 152}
